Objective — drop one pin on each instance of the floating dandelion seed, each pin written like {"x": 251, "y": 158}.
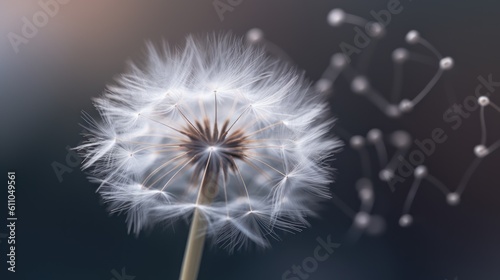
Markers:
{"x": 218, "y": 131}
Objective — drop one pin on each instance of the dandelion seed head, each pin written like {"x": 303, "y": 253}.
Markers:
{"x": 220, "y": 108}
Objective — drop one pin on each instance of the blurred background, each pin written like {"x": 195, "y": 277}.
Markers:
{"x": 64, "y": 232}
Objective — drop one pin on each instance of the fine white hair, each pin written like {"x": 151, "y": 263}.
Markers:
{"x": 217, "y": 104}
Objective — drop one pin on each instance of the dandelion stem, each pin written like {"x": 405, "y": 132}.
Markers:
{"x": 197, "y": 232}
{"x": 194, "y": 248}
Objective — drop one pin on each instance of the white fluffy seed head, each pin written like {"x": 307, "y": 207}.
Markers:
{"x": 218, "y": 110}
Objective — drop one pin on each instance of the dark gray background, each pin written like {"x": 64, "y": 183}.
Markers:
{"x": 65, "y": 233}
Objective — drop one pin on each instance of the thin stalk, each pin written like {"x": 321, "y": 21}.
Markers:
{"x": 197, "y": 232}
